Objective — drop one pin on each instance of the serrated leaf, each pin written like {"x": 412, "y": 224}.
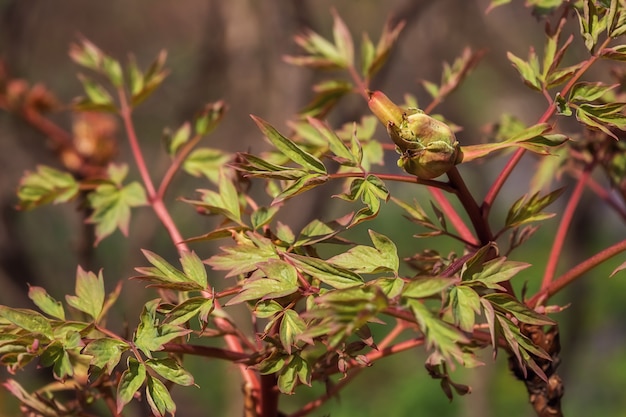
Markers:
{"x": 206, "y": 162}
{"x": 262, "y": 216}
{"x": 365, "y": 259}
{"x": 299, "y": 186}
{"x": 111, "y": 206}
{"x": 96, "y": 94}
{"x": 150, "y": 335}
{"x": 46, "y": 185}
{"x": 195, "y": 306}
{"x": 244, "y": 257}
{"x": 90, "y": 293}
{"x": 106, "y": 353}
{"x": 526, "y": 70}
{"x": 267, "y": 308}
{"x": 526, "y": 210}
{"x": 587, "y": 92}
{"x": 194, "y": 268}
{"x": 498, "y": 270}
{"x": 426, "y": 287}
{"x": 28, "y": 320}
{"x": 131, "y": 380}
{"x": 273, "y": 279}
{"x": 337, "y": 146}
{"x": 159, "y": 398}
{"x": 465, "y": 304}
{"x": 46, "y": 303}
{"x": 171, "y": 370}
{"x": 329, "y": 274}
{"x": 290, "y": 148}
{"x": 291, "y": 326}
{"x": 508, "y": 304}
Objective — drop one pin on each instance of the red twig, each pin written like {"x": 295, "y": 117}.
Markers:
{"x": 577, "y": 271}
{"x": 566, "y": 220}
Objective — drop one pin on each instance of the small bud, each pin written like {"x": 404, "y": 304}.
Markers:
{"x": 427, "y": 146}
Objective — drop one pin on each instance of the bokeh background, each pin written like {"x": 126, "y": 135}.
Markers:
{"x": 233, "y": 50}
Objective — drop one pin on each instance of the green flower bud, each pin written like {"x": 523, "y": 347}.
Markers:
{"x": 427, "y": 146}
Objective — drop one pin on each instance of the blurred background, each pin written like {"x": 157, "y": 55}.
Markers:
{"x": 232, "y": 50}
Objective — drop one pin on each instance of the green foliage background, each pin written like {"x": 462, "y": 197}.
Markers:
{"x": 232, "y": 50}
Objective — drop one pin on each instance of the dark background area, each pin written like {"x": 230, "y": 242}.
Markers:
{"x": 233, "y": 50}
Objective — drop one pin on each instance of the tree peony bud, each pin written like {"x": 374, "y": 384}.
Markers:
{"x": 427, "y": 146}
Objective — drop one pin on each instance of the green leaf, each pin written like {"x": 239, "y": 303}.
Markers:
{"x": 90, "y": 293}
{"x": 289, "y": 148}
{"x": 56, "y": 356}
{"x": 291, "y": 326}
{"x": 98, "y": 98}
{"x": 587, "y": 92}
{"x": 496, "y": 3}
{"x": 388, "y": 38}
{"x": 426, "y": 287}
{"x": 106, "y": 353}
{"x": 113, "y": 70}
{"x": 131, "y": 380}
{"x": 527, "y": 70}
{"x": 327, "y": 94}
{"x": 316, "y": 231}
{"x": 46, "y": 303}
{"x": 441, "y": 335}
{"x": 179, "y": 138}
{"x": 45, "y": 186}
{"x": 465, "y": 304}
{"x": 365, "y": 259}
{"x": 296, "y": 370}
{"x": 206, "y": 162}
{"x": 371, "y": 190}
{"x": 165, "y": 275}
{"x": 159, "y": 398}
{"x": 171, "y": 370}
{"x": 191, "y": 307}
{"x": 194, "y": 268}
{"x": 225, "y": 203}
{"x": 273, "y": 279}
{"x": 498, "y": 270}
{"x": 508, "y": 304}
{"x": 603, "y": 116}
{"x": 329, "y": 274}
{"x": 210, "y": 116}
{"x": 267, "y": 308}
{"x": 150, "y": 335}
{"x": 262, "y": 216}
{"x": 527, "y": 210}
{"x": 111, "y": 203}
{"x": 337, "y": 146}
{"x": 86, "y": 54}
{"x": 299, "y": 186}
{"x": 152, "y": 79}
{"x": 245, "y": 256}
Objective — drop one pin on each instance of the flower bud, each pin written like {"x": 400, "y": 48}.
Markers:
{"x": 427, "y": 146}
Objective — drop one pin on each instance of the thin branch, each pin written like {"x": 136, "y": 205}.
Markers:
{"x": 576, "y": 272}
{"x": 397, "y": 178}
{"x": 206, "y": 351}
{"x": 514, "y": 160}
{"x": 566, "y": 220}
{"x": 179, "y": 159}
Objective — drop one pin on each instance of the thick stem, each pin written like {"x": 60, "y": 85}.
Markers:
{"x": 566, "y": 220}
{"x": 471, "y": 207}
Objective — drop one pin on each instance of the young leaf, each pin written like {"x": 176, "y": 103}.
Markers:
{"x": 508, "y": 304}
{"x": 528, "y": 70}
{"x": 291, "y": 326}
{"x": 45, "y": 186}
{"x": 465, "y": 304}
{"x": 273, "y": 279}
{"x": 111, "y": 203}
{"x": 106, "y": 353}
{"x": 150, "y": 335}
{"x": 587, "y": 92}
{"x": 526, "y": 210}
{"x": 343, "y": 40}
{"x": 365, "y": 259}
{"x": 28, "y": 320}
{"x": 194, "y": 268}
{"x": 289, "y": 148}
{"x": 90, "y": 294}
{"x": 131, "y": 380}
{"x": 171, "y": 370}
{"x": 179, "y": 138}
{"x": 164, "y": 275}
{"x": 243, "y": 257}
{"x": 46, "y": 303}
{"x": 159, "y": 398}
{"x": 296, "y": 370}
{"x": 195, "y": 306}
{"x": 56, "y": 355}
{"x": 329, "y": 274}
{"x": 206, "y": 162}
{"x": 426, "y": 287}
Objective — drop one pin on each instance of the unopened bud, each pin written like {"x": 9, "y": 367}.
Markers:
{"x": 427, "y": 146}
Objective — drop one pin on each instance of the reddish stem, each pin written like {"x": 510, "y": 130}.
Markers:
{"x": 206, "y": 351}
{"x": 179, "y": 159}
{"x": 512, "y": 163}
{"x": 576, "y": 272}
{"x": 394, "y": 177}
{"x": 566, "y": 220}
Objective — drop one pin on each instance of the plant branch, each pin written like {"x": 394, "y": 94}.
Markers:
{"x": 178, "y": 161}
{"x": 473, "y": 211}
{"x": 566, "y": 220}
{"x": 514, "y": 160}
{"x": 394, "y": 177}
{"x": 206, "y": 351}
{"x": 576, "y": 272}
